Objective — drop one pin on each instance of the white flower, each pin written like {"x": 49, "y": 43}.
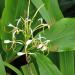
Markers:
{"x": 47, "y": 41}
{"x": 15, "y": 30}
{"x": 20, "y": 53}
{"x": 44, "y": 48}
{"x": 40, "y": 46}
{"x": 28, "y": 42}
{"x": 7, "y": 41}
{"x": 40, "y": 37}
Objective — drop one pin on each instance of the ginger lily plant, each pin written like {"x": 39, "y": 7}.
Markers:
{"x": 54, "y": 34}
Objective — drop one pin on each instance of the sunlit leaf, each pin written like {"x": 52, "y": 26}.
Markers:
{"x": 62, "y": 35}
{"x": 50, "y": 12}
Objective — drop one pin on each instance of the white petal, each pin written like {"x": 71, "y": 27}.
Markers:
{"x": 40, "y": 46}
{"x": 19, "y": 43}
{"x": 18, "y": 21}
{"x": 28, "y": 42}
{"x": 20, "y": 53}
{"x": 7, "y": 41}
{"x": 47, "y": 41}
{"x": 10, "y": 25}
{"x": 44, "y": 48}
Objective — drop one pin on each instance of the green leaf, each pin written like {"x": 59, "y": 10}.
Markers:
{"x": 29, "y": 69}
{"x": 44, "y": 13}
{"x": 12, "y": 11}
{"x": 2, "y": 68}
{"x": 61, "y": 35}
{"x": 25, "y": 70}
{"x": 45, "y": 65}
{"x": 8, "y": 15}
{"x": 12, "y": 68}
{"x": 52, "y": 7}
{"x": 67, "y": 63}
{"x": 1, "y": 6}
{"x": 50, "y": 12}
{"x": 20, "y": 10}
{"x": 2, "y": 52}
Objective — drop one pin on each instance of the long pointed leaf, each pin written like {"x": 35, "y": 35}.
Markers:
{"x": 18, "y": 72}
{"x": 62, "y": 34}
{"x": 46, "y": 67}
{"x": 12, "y": 11}
{"x": 2, "y": 67}
{"x": 29, "y": 69}
{"x": 67, "y": 63}
{"x": 50, "y": 11}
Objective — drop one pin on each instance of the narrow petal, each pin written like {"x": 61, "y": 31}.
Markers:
{"x": 19, "y": 43}
{"x": 28, "y": 42}
{"x": 20, "y": 53}
{"x": 7, "y": 41}
{"x": 44, "y": 48}
{"x": 40, "y": 46}
{"x": 10, "y": 25}
{"x": 18, "y": 21}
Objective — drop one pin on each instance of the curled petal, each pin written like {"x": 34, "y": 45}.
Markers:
{"x": 40, "y": 19}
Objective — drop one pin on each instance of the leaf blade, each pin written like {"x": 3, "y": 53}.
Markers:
{"x": 2, "y": 68}
{"x": 29, "y": 69}
{"x": 45, "y": 65}
{"x": 62, "y": 34}
{"x": 13, "y": 68}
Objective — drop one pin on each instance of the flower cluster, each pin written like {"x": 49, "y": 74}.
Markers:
{"x": 41, "y": 45}
{"x": 27, "y": 32}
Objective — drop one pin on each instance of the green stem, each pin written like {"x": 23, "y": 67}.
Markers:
{"x": 67, "y": 63}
